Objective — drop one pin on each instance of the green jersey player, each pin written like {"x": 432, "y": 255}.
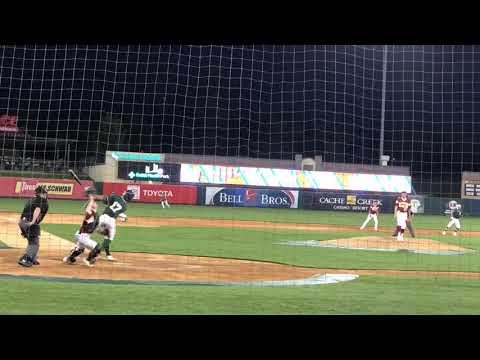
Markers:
{"x": 115, "y": 207}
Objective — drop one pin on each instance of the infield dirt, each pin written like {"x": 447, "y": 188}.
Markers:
{"x": 157, "y": 267}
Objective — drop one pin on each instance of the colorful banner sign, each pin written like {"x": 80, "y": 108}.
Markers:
{"x": 325, "y": 180}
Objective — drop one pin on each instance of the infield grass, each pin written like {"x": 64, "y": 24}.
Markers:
{"x": 260, "y": 245}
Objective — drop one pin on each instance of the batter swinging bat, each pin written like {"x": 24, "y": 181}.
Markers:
{"x": 75, "y": 177}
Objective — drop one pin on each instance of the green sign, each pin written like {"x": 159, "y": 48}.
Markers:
{"x": 131, "y": 156}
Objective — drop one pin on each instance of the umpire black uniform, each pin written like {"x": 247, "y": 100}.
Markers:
{"x": 31, "y": 231}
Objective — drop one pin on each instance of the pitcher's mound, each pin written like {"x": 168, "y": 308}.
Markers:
{"x": 377, "y": 243}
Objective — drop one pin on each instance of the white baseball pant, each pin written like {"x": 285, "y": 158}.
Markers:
{"x": 370, "y": 217}
{"x": 455, "y": 222}
{"x": 108, "y": 223}
{"x": 402, "y": 219}
{"x": 84, "y": 241}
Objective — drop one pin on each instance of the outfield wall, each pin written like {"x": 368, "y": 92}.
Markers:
{"x": 233, "y": 196}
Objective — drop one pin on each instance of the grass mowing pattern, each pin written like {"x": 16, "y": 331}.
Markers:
{"x": 259, "y": 245}
{"x": 367, "y": 295}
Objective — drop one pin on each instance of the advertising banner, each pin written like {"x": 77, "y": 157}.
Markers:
{"x": 9, "y": 124}
{"x": 153, "y": 193}
{"x": 57, "y": 188}
{"x": 345, "y": 202}
{"x": 261, "y": 198}
{"x": 132, "y": 156}
{"x": 324, "y": 180}
{"x": 418, "y": 204}
{"x": 149, "y": 171}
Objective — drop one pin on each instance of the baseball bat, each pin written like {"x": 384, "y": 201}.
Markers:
{"x": 75, "y": 177}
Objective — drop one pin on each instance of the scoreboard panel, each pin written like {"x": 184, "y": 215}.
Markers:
{"x": 470, "y": 185}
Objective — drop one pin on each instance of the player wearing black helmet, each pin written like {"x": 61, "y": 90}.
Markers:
{"x": 116, "y": 206}
{"x": 32, "y": 215}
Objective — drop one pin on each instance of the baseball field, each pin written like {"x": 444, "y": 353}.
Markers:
{"x": 219, "y": 260}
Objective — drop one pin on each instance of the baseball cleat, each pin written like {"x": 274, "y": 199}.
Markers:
{"x": 86, "y": 262}
{"x": 111, "y": 258}
{"x": 67, "y": 260}
{"x": 25, "y": 262}
{"x": 444, "y": 233}
{"x": 35, "y": 262}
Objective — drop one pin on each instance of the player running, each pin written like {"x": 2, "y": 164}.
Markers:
{"x": 402, "y": 213}
{"x": 455, "y": 215}
{"x": 116, "y": 206}
{"x": 82, "y": 236}
{"x": 373, "y": 211}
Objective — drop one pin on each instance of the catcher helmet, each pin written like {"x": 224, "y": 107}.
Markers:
{"x": 128, "y": 195}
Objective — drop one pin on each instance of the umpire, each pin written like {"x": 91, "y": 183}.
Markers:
{"x": 33, "y": 213}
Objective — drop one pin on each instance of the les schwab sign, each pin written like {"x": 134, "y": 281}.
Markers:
{"x": 57, "y": 188}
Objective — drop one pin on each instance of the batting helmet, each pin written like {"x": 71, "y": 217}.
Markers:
{"x": 452, "y": 204}
{"x": 90, "y": 191}
{"x": 129, "y": 195}
{"x": 41, "y": 191}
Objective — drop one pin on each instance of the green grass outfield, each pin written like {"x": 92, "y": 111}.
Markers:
{"x": 366, "y": 295}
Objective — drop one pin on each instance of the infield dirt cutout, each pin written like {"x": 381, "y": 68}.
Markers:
{"x": 193, "y": 269}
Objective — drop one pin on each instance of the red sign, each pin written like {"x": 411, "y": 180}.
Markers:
{"x": 153, "y": 193}
{"x": 8, "y": 123}
{"x": 57, "y": 188}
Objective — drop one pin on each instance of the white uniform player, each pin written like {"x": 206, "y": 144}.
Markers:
{"x": 82, "y": 236}
{"x": 372, "y": 215}
{"x": 402, "y": 213}
{"x": 455, "y": 215}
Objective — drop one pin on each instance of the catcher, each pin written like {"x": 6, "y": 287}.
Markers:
{"x": 82, "y": 236}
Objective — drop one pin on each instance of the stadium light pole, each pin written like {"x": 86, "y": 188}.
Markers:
{"x": 382, "y": 119}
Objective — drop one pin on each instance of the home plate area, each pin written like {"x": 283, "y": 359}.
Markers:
{"x": 378, "y": 243}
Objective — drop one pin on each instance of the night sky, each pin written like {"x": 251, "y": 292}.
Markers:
{"x": 258, "y": 101}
